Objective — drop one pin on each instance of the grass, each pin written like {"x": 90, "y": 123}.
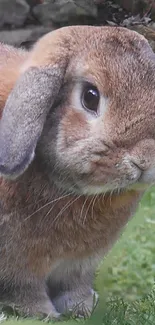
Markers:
{"x": 125, "y": 280}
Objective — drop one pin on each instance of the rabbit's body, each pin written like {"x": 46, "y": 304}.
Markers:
{"x": 88, "y": 169}
{"x": 32, "y": 226}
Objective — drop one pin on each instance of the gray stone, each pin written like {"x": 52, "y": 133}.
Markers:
{"x": 13, "y": 12}
{"x": 144, "y": 7}
{"x": 23, "y": 37}
{"x": 33, "y": 3}
{"x": 135, "y": 5}
{"x": 99, "y": 2}
{"x": 60, "y": 11}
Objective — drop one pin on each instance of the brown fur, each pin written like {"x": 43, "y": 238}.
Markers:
{"x": 11, "y": 60}
{"x": 47, "y": 225}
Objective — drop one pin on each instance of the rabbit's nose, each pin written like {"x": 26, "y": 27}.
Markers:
{"x": 135, "y": 170}
{"x": 139, "y": 164}
{"x": 144, "y": 170}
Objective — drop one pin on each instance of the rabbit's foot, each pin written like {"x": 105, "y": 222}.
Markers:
{"x": 78, "y": 306}
{"x": 46, "y": 310}
{"x": 84, "y": 308}
{"x": 41, "y": 310}
{"x": 31, "y": 302}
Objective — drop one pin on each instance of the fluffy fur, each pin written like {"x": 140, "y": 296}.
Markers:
{"x": 70, "y": 180}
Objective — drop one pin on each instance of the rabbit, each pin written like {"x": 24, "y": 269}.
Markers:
{"x": 77, "y": 153}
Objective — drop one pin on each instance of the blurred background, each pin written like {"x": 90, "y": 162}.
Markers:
{"x": 22, "y": 22}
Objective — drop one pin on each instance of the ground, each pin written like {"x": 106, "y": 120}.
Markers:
{"x": 125, "y": 280}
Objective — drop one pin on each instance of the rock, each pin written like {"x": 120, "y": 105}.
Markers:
{"x": 128, "y": 5}
{"x": 148, "y": 32}
{"x": 136, "y": 6}
{"x": 99, "y": 2}
{"x": 13, "y": 12}
{"x": 33, "y": 3}
{"x": 23, "y": 37}
{"x": 61, "y": 11}
{"x": 146, "y": 8}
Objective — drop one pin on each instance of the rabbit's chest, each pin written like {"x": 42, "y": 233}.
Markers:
{"x": 93, "y": 224}
{"x": 73, "y": 232}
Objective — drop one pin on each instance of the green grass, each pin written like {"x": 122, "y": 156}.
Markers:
{"x": 129, "y": 269}
{"x": 125, "y": 279}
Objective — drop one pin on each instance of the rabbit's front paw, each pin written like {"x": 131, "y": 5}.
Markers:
{"x": 85, "y": 307}
{"x": 78, "y": 306}
{"x": 48, "y": 311}
{"x": 40, "y": 308}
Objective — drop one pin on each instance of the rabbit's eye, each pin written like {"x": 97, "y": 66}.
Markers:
{"x": 90, "y": 98}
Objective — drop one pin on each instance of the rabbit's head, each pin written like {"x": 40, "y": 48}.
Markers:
{"x": 85, "y": 107}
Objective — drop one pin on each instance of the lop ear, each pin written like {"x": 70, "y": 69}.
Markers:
{"x": 24, "y": 116}
{"x": 30, "y": 100}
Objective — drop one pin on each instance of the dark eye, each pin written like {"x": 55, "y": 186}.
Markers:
{"x": 90, "y": 98}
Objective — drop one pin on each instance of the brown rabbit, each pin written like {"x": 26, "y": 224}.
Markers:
{"x": 77, "y": 150}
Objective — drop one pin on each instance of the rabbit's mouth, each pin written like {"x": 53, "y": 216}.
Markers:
{"x": 127, "y": 176}
{"x": 113, "y": 188}
{"x": 88, "y": 168}
{"x": 105, "y": 189}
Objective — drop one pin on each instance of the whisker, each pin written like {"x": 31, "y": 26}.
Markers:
{"x": 86, "y": 199}
{"x": 91, "y": 201}
{"x": 92, "y": 209}
{"x": 42, "y": 189}
{"x": 65, "y": 208}
{"x": 45, "y": 205}
{"x": 103, "y": 195}
{"x": 111, "y": 194}
{"x": 50, "y": 210}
